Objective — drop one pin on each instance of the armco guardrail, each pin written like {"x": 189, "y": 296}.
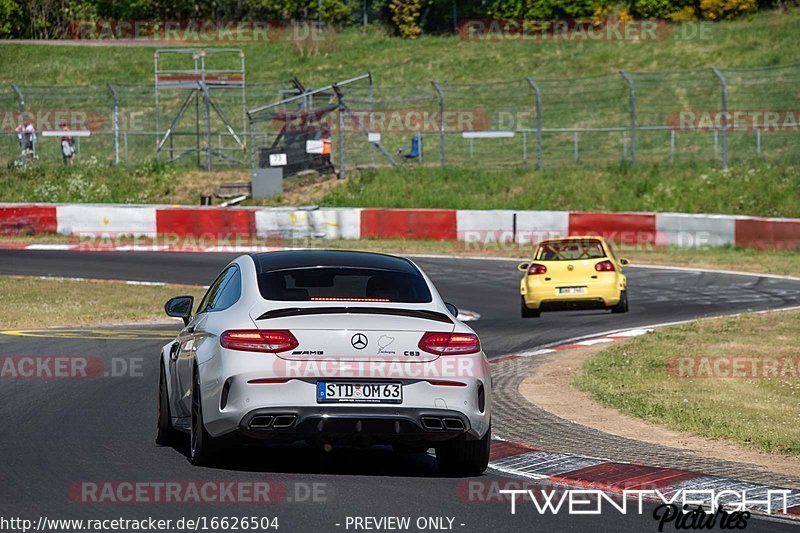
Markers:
{"x": 475, "y": 228}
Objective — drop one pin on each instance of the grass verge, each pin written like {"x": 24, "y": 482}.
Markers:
{"x": 55, "y": 302}
{"x": 759, "y": 189}
{"x": 395, "y": 61}
{"x": 763, "y": 413}
{"x": 93, "y": 182}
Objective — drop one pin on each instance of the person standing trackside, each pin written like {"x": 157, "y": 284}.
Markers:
{"x": 67, "y": 145}
{"x": 27, "y": 138}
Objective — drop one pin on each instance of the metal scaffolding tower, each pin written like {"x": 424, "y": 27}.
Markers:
{"x": 197, "y": 85}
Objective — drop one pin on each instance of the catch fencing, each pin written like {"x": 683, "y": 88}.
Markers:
{"x": 676, "y": 117}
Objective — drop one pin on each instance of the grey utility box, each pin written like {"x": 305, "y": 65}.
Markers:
{"x": 267, "y": 182}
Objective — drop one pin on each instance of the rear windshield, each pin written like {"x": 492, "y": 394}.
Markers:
{"x": 343, "y": 284}
{"x": 570, "y": 250}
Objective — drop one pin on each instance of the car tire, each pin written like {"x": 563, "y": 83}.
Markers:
{"x": 166, "y": 434}
{"x": 203, "y": 448}
{"x": 622, "y": 305}
{"x": 464, "y": 457}
{"x": 527, "y": 312}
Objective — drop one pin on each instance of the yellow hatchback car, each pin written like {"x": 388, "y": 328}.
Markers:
{"x": 573, "y": 273}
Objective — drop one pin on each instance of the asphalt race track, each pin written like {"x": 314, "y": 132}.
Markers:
{"x": 61, "y": 436}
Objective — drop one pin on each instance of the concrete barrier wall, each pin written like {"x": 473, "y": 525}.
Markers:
{"x": 471, "y": 226}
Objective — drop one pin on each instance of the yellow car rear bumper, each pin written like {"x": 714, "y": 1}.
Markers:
{"x": 596, "y": 294}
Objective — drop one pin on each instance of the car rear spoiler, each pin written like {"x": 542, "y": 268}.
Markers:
{"x": 300, "y": 311}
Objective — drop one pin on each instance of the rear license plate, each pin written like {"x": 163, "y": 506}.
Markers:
{"x": 358, "y": 392}
{"x": 571, "y": 290}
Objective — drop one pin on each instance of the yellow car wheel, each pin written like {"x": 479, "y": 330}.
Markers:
{"x": 527, "y": 312}
{"x": 622, "y": 305}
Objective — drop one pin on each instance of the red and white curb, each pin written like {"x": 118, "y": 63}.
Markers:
{"x": 570, "y": 344}
{"x": 616, "y": 477}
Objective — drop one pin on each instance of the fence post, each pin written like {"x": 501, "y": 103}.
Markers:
{"x": 632, "y": 105}
{"x": 371, "y": 116}
{"x": 724, "y": 88}
{"x": 672, "y": 146}
{"x": 115, "y": 122}
{"x": 21, "y": 125}
{"x": 758, "y": 142}
{"x": 524, "y": 146}
{"x": 441, "y": 120}
{"x": 538, "y": 101}
{"x": 207, "y": 106}
{"x": 342, "y": 148}
{"x": 575, "y": 144}
{"x": 157, "y": 117}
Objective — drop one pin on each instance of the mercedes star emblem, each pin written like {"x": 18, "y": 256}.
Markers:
{"x": 359, "y": 341}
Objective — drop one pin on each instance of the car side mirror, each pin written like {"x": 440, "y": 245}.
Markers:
{"x": 452, "y": 308}
{"x": 523, "y": 267}
{"x": 180, "y": 307}
{"x": 623, "y": 261}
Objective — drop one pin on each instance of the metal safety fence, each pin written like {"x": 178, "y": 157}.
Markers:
{"x": 701, "y": 115}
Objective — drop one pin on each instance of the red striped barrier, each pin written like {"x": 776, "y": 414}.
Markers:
{"x": 624, "y": 228}
{"x": 764, "y": 233}
{"x": 205, "y": 221}
{"x": 435, "y": 224}
{"x": 28, "y": 219}
{"x": 210, "y": 223}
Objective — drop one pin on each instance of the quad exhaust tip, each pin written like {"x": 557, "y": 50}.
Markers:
{"x": 274, "y": 422}
{"x": 433, "y": 423}
{"x": 261, "y": 422}
{"x": 284, "y": 421}
{"x": 453, "y": 424}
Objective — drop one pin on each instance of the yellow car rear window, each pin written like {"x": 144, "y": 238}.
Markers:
{"x": 570, "y": 250}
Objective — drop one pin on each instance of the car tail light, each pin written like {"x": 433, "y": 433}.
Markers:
{"x": 268, "y": 381}
{"x": 450, "y": 343}
{"x": 604, "y": 266}
{"x": 535, "y": 269}
{"x": 259, "y": 340}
